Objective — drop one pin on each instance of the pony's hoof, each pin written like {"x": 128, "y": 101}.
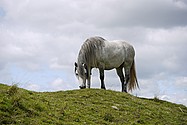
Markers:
{"x": 82, "y": 87}
{"x": 103, "y": 88}
{"x": 124, "y": 91}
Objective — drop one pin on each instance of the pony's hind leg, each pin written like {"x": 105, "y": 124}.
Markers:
{"x": 119, "y": 71}
{"x": 127, "y": 77}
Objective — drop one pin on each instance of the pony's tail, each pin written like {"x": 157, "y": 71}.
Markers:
{"x": 133, "y": 82}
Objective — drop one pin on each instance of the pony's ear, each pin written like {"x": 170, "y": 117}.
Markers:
{"x": 76, "y": 69}
{"x": 76, "y": 64}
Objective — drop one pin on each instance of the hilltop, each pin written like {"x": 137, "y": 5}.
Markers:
{"x": 87, "y": 106}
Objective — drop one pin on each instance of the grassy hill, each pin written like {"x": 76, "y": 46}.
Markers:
{"x": 88, "y": 106}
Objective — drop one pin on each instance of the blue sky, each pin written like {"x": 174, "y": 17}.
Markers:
{"x": 40, "y": 41}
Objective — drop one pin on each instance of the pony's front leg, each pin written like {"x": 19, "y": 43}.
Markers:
{"x": 101, "y": 71}
{"x": 89, "y": 78}
{"x": 88, "y": 82}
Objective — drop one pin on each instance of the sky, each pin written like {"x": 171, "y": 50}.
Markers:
{"x": 40, "y": 41}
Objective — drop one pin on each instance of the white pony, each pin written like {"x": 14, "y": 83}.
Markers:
{"x": 97, "y": 52}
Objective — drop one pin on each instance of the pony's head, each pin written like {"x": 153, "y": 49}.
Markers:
{"x": 81, "y": 73}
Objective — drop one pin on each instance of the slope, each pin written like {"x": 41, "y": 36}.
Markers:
{"x": 88, "y": 106}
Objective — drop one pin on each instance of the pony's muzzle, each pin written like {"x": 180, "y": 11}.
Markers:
{"x": 82, "y": 87}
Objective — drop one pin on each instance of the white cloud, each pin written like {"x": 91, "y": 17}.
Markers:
{"x": 33, "y": 87}
{"x": 180, "y": 4}
{"x": 181, "y": 82}
{"x": 164, "y": 87}
{"x": 60, "y": 84}
{"x": 165, "y": 47}
{"x": 57, "y": 83}
{"x": 179, "y": 98}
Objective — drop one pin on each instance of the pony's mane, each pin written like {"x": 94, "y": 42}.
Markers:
{"x": 88, "y": 50}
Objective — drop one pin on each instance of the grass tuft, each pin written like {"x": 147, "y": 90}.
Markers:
{"x": 108, "y": 117}
{"x": 156, "y": 99}
{"x": 12, "y": 90}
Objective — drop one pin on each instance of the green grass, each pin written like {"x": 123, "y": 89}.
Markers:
{"x": 87, "y": 106}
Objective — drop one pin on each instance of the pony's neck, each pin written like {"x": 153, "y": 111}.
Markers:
{"x": 82, "y": 58}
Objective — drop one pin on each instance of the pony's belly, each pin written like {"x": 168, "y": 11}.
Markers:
{"x": 114, "y": 63}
